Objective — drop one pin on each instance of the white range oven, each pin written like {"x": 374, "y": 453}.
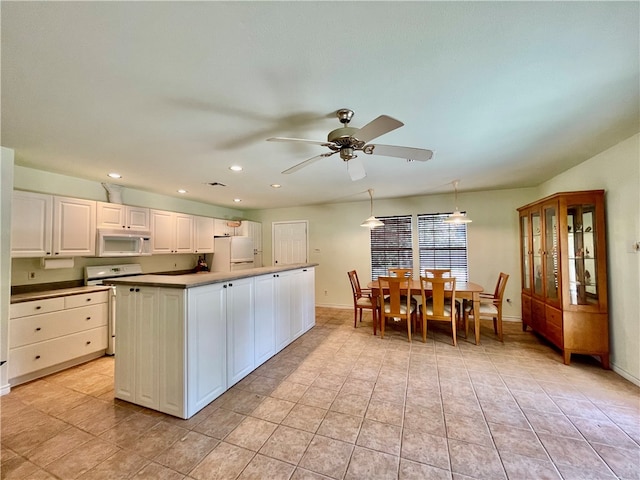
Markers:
{"x": 98, "y": 276}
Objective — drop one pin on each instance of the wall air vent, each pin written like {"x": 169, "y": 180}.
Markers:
{"x": 216, "y": 184}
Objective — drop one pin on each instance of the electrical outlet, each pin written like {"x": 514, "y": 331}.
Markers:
{"x": 31, "y": 275}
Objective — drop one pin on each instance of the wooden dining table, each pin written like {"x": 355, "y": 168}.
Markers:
{"x": 464, "y": 290}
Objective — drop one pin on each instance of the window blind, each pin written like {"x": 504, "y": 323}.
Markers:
{"x": 391, "y": 245}
{"x": 443, "y": 245}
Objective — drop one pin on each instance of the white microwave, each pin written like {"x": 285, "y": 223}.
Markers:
{"x": 118, "y": 243}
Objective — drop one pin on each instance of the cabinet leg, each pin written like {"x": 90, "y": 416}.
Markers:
{"x": 566, "y": 357}
{"x": 524, "y": 327}
{"x": 604, "y": 359}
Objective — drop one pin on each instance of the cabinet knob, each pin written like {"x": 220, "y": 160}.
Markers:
{"x": 88, "y": 318}
{"x": 137, "y": 289}
{"x": 88, "y": 342}
{"x": 224, "y": 286}
{"x": 38, "y": 307}
{"x": 37, "y": 357}
{"x": 38, "y": 329}
{"x": 132, "y": 289}
{"x": 231, "y": 284}
{"x": 88, "y": 299}
{"x": 57, "y": 253}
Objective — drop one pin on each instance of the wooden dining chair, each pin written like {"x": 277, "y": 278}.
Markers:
{"x": 441, "y": 305}
{"x": 396, "y": 302}
{"x": 362, "y": 299}
{"x": 490, "y": 307}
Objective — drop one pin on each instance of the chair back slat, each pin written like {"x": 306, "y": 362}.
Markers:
{"x": 398, "y": 292}
{"x": 401, "y": 272}
{"x": 437, "y": 272}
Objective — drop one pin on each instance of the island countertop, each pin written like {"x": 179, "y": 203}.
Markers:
{"x": 190, "y": 280}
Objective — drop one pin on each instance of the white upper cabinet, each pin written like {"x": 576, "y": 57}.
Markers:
{"x": 31, "y": 224}
{"x": 74, "y": 227}
{"x": 171, "y": 232}
{"x": 49, "y": 226}
{"x": 115, "y": 215}
{"x": 203, "y": 236}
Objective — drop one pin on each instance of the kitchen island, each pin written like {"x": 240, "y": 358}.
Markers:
{"x": 183, "y": 340}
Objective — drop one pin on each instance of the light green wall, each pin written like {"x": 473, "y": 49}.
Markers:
{"x": 617, "y": 171}
{"x": 338, "y": 243}
{"x": 56, "y": 184}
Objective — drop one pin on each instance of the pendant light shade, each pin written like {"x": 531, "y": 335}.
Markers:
{"x": 457, "y": 216}
{"x": 371, "y": 222}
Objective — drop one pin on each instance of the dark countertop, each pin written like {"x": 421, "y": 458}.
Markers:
{"x": 191, "y": 280}
{"x": 59, "y": 292}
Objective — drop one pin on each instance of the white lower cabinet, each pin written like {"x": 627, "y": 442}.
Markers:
{"x": 50, "y": 334}
{"x": 283, "y": 309}
{"x": 240, "y": 329}
{"x": 265, "y": 317}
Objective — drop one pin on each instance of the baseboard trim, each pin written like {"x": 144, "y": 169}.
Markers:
{"x": 5, "y": 389}
{"x": 624, "y": 374}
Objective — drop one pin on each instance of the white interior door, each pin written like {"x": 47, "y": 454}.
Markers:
{"x": 290, "y": 244}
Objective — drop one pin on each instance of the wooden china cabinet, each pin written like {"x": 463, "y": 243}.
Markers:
{"x": 564, "y": 272}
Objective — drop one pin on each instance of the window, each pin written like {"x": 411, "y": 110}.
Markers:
{"x": 391, "y": 245}
{"x": 443, "y": 245}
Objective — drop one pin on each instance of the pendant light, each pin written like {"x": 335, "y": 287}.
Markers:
{"x": 457, "y": 216}
{"x": 371, "y": 222}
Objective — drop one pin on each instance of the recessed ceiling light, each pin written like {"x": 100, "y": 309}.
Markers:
{"x": 182, "y": 190}
{"x": 276, "y": 185}
{"x": 235, "y": 168}
{"x": 115, "y": 175}
{"x": 237, "y": 200}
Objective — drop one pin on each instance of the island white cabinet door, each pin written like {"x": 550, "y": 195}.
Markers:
{"x": 206, "y": 346}
{"x": 283, "y": 309}
{"x": 171, "y": 356}
{"x": 265, "y": 318}
{"x": 309, "y": 298}
{"x": 74, "y": 227}
{"x": 240, "y": 330}
{"x": 31, "y": 224}
{"x": 147, "y": 348}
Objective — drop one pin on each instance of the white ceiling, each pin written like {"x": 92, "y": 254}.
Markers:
{"x": 170, "y": 94}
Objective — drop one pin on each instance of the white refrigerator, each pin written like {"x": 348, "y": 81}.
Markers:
{"x": 232, "y": 253}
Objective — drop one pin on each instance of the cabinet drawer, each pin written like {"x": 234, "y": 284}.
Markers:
{"x": 73, "y": 301}
{"x": 35, "y": 307}
{"x": 37, "y": 356}
{"x": 554, "y": 317}
{"x": 38, "y": 328}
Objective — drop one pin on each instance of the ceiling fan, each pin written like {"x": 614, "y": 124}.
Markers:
{"x": 348, "y": 140}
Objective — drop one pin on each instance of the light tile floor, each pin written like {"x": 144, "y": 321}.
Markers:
{"x": 340, "y": 403}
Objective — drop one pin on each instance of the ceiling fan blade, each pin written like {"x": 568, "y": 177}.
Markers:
{"x": 356, "y": 169}
{"x": 311, "y": 160}
{"x": 417, "y": 154}
{"x": 379, "y": 126}
{"x": 299, "y": 140}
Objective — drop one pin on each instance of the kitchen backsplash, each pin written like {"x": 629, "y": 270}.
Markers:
{"x": 22, "y": 268}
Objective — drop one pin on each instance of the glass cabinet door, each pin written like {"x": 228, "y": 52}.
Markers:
{"x": 525, "y": 253}
{"x": 583, "y": 288}
{"x": 536, "y": 240}
{"x": 550, "y": 254}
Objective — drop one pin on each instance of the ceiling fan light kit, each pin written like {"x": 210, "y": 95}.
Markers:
{"x": 371, "y": 222}
{"x": 457, "y": 216}
{"x": 348, "y": 140}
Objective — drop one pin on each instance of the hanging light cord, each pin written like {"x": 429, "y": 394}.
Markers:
{"x": 371, "y": 199}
